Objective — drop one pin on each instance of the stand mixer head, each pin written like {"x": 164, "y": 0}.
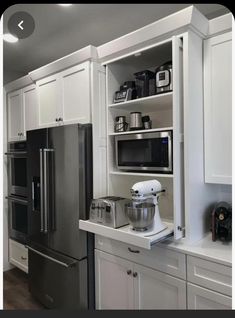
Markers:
{"x": 143, "y": 192}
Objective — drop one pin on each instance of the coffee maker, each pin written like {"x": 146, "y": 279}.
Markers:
{"x": 221, "y": 222}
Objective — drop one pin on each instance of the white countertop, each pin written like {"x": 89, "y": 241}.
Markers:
{"x": 217, "y": 251}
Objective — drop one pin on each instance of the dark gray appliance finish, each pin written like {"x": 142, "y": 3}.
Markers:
{"x": 60, "y": 190}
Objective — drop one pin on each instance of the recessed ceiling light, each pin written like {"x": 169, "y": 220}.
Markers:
{"x": 8, "y": 37}
{"x": 65, "y": 4}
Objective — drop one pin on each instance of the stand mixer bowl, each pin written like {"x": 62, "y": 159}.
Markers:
{"x": 140, "y": 215}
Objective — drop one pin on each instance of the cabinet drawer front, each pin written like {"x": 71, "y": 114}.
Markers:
{"x": 18, "y": 255}
{"x": 201, "y": 298}
{"x": 210, "y": 275}
{"x": 162, "y": 259}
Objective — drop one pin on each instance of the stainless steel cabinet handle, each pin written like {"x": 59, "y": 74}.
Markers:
{"x": 133, "y": 251}
{"x": 135, "y": 274}
{"x": 128, "y": 272}
{"x": 41, "y": 191}
{"x": 50, "y": 258}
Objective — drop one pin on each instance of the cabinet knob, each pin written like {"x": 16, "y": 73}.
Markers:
{"x": 60, "y": 119}
{"x": 23, "y": 258}
{"x": 135, "y": 274}
{"x": 128, "y": 272}
{"x": 56, "y": 119}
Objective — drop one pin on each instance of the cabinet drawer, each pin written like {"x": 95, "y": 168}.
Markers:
{"x": 210, "y": 275}
{"x": 18, "y": 255}
{"x": 162, "y": 259}
{"x": 202, "y": 298}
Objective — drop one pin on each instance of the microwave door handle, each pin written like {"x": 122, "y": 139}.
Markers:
{"x": 41, "y": 192}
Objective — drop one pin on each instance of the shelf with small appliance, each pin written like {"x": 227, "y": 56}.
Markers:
{"x": 165, "y": 111}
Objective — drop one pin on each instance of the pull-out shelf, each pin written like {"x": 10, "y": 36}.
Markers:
{"x": 126, "y": 235}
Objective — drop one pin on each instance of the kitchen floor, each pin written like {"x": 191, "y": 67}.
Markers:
{"x": 15, "y": 291}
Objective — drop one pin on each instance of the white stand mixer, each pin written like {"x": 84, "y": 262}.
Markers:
{"x": 142, "y": 191}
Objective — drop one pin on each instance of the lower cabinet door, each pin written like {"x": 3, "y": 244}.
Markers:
{"x": 156, "y": 290}
{"x": 202, "y": 298}
{"x": 114, "y": 282}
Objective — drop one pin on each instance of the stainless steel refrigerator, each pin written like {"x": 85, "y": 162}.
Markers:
{"x": 61, "y": 270}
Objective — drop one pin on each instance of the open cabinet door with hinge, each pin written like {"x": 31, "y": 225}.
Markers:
{"x": 178, "y": 136}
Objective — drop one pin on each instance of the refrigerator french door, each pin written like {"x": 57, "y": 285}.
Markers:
{"x": 60, "y": 179}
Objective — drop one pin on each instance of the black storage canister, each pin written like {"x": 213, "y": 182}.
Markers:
{"x": 145, "y": 82}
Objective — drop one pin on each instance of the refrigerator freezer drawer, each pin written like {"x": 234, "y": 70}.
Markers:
{"x": 58, "y": 282}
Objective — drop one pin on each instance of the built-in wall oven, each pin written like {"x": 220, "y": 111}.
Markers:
{"x": 17, "y": 168}
{"x": 17, "y": 191}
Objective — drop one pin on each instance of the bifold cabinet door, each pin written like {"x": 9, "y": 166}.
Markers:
{"x": 156, "y": 290}
{"x": 75, "y": 86}
{"x": 114, "y": 282}
{"x": 49, "y": 99}
{"x": 218, "y": 108}
{"x": 15, "y": 115}
{"x": 30, "y": 107}
{"x": 202, "y": 298}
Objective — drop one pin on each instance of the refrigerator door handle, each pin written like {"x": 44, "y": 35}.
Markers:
{"x": 41, "y": 192}
{"x": 47, "y": 192}
{"x": 67, "y": 265}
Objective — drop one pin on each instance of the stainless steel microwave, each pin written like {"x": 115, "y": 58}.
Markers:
{"x": 145, "y": 152}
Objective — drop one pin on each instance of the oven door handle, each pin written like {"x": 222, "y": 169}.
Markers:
{"x": 41, "y": 192}
{"x": 14, "y": 199}
{"x": 15, "y": 153}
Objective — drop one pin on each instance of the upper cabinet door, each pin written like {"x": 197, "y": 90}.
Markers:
{"x": 30, "y": 107}
{"x": 75, "y": 105}
{"x": 15, "y": 116}
{"x": 49, "y": 99}
{"x": 218, "y": 108}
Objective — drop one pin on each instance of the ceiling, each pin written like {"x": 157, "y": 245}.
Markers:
{"x": 62, "y": 30}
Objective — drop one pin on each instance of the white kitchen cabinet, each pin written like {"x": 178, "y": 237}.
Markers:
{"x": 30, "y": 107}
{"x": 121, "y": 284}
{"x": 218, "y": 108}
{"x": 16, "y": 129}
{"x": 18, "y": 255}
{"x": 201, "y": 298}
{"x": 64, "y": 98}
{"x": 75, "y": 83}
{"x": 49, "y": 99}
{"x": 157, "y": 290}
{"x": 114, "y": 286}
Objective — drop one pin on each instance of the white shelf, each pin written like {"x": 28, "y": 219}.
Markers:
{"x": 126, "y": 235}
{"x": 142, "y": 174}
{"x": 142, "y": 131}
{"x": 146, "y": 104}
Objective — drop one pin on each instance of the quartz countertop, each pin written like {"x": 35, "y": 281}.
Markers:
{"x": 219, "y": 252}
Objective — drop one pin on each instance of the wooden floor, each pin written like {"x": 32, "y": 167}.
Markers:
{"x": 15, "y": 291}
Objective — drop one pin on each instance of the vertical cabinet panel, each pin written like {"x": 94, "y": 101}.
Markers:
{"x": 76, "y": 94}
{"x": 218, "y": 109}
{"x": 201, "y": 298}
{"x": 49, "y": 100}
{"x": 114, "y": 287}
{"x": 15, "y": 116}
{"x": 156, "y": 290}
{"x": 30, "y": 106}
